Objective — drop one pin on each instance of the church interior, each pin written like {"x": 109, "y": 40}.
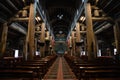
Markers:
{"x": 59, "y": 39}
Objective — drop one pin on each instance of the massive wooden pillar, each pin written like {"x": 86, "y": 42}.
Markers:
{"x": 70, "y": 46}
{"x": 42, "y": 40}
{"x": 117, "y": 36}
{"x": 53, "y": 46}
{"x": 50, "y": 45}
{"x": 78, "y": 38}
{"x": 3, "y": 40}
{"x": 91, "y": 44}
{"x": 73, "y": 43}
{"x": 35, "y": 45}
{"x": 30, "y": 45}
{"x": 47, "y": 43}
{"x": 85, "y": 48}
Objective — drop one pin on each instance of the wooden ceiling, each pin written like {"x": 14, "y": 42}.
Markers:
{"x": 59, "y": 13}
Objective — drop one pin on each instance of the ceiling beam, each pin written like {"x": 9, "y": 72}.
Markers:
{"x": 2, "y": 20}
{"x": 65, "y": 3}
{"x": 5, "y": 8}
{"x": 11, "y": 4}
{"x": 20, "y": 19}
{"x": 101, "y": 18}
{"x": 18, "y": 28}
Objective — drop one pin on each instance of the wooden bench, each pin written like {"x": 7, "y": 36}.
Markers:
{"x": 13, "y": 74}
{"x": 42, "y": 64}
{"x": 26, "y": 69}
{"x": 36, "y": 70}
{"x": 42, "y": 68}
{"x": 99, "y": 72}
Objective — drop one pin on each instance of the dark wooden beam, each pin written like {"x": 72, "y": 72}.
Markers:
{"x": 30, "y": 35}
{"x": 91, "y": 44}
{"x": 42, "y": 40}
{"x": 20, "y": 19}
{"x": 3, "y": 40}
{"x": 31, "y": 30}
{"x": 101, "y": 18}
{"x": 117, "y": 36}
{"x": 73, "y": 43}
{"x": 78, "y": 38}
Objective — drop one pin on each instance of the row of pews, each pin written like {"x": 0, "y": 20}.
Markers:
{"x": 102, "y": 68}
{"x": 18, "y": 69}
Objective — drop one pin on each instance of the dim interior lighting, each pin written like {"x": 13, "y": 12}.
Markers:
{"x": 45, "y": 28}
{"x": 82, "y": 18}
{"x": 115, "y": 51}
{"x": 37, "y": 0}
{"x": 47, "y": 38}
{"x": 83, "y": 0}
{"x": 75, "y": 28}
{"x": 60, "y": 16}
{"x": 81, "y": 40}
{"x": 60, "y": 32}
{"x": 23, "y": 1}
{"x": 38, "y": 18}
{"x": 60, "y": 39}
{"x": 99, "y": 52}
{"x": 16, "y": 53}
{"x": 77, "y": 11}
{"x": 82, "y": 52}
{"x": 43, "y": 12}
{"x": 38, "y": 28}
{"x": 37, "y": 53}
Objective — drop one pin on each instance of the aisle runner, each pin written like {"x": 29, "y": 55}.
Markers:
{"x": 60, "y": 70}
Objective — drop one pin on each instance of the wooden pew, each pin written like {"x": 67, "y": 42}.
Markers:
{"x": 18, "y": 74}
{"x": 91, "y": 66}
{"x": 88, "y": 70}
{"x": 43, "y": 64}
{"x": 37, "y": 66}
{"x": 42, "y": 67}
{"x": 99, "y": 72}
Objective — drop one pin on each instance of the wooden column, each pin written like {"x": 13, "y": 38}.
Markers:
{"x": 117, "y": 36}
{"x": 31, "y": 32}
{"x": 47, "y": 42}
{"x": 91, "y": 44}
{"x": 48, "y": 35}
{"x": 70, "y": 46}
{"x": 73, "y": 43}
{"x": 35, "y": 45}
{"x": 50, "y": 45}
{"x": 78, "y": 38}
{"x": 42, "y": 40}
{"x": 25, "y": 52}
{"x": 97, "y": 46}
{"x": 85, "y": 43}
{"x": 3, "y": 40}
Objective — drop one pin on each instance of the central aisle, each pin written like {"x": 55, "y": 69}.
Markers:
{"x": 60, "y": 70}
